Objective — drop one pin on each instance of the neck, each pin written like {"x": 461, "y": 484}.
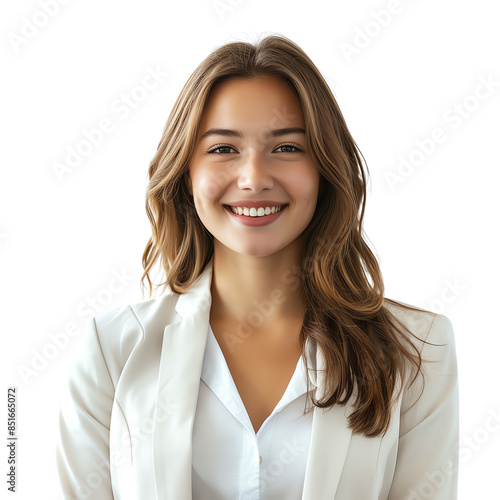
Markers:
{"x": 259, "y": 292}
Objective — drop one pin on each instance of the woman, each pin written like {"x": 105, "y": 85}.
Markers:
{"x": 272, "y": 366}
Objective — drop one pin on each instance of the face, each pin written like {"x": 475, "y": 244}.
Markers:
{"x": 257, "y": 154}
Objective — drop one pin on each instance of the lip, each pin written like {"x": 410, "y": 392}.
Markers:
{"x": 264, "y": 220}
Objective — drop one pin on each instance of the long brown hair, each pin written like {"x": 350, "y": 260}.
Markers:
{"x": 365, "y": 347}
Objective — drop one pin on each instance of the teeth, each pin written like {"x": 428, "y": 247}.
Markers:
{"x": 255, "y": 212}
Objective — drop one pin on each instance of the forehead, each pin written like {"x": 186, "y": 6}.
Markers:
{"x": 244, "y": 103}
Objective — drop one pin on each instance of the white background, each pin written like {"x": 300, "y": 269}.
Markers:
{"x": 61, "y": 239}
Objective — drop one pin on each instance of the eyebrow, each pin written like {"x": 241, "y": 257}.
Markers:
{"x": 269, "y": 134}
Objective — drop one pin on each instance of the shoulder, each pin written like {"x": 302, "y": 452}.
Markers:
{"x": 432, "y": 335}
{"x": 120, "y": 330}
{"x": 427, "y": 326}
{"x": 431, "y": 396}
{"x": 142, "y": 313}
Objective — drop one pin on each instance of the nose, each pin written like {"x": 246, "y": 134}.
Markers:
{"x": 254, "y": 173}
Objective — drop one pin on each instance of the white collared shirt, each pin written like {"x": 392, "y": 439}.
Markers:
{"x": 226, "y": 462}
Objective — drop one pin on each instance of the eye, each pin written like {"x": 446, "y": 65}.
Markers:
{"x": 219, "y": 147}
{"x": 224, "y": 149}
{"x": 288, "y": 147}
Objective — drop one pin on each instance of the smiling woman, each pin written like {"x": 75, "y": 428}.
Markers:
{"x": 271, "y": 366}
{"x": 268, "y": 168}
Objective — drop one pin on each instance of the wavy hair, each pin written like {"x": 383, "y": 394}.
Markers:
{"x": 364, "y": 345}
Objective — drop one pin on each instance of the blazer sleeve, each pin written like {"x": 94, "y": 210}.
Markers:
{"x": 82, "y": 449}
{"x": 427, "y": 459}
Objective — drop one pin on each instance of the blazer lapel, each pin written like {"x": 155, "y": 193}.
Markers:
{"x": 330, "y": 439}
{"x": 179, "y": 375}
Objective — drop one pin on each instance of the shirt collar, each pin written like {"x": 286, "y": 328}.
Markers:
{"x": 216, "y": 374}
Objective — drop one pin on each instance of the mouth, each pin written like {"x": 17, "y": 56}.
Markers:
{"x": 255, "y": 213}
{"x": 256, "y": 220}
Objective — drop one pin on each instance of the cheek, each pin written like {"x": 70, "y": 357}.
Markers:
{"x": 207, "y": 187}
{"x": 305, "y": 186}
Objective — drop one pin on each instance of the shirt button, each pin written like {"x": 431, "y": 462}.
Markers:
{"x": 260, "y": 459}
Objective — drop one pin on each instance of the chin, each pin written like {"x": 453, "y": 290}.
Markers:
{"x": 253, "y": 250}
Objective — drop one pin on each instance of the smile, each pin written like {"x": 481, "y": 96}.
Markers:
{"x": 255, "y": 212}
{"x": 260, "y": 217}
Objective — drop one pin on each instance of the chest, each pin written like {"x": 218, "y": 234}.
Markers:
{"x": 261, "y": 365}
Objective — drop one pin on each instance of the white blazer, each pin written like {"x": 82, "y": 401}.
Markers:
{"x": 126, "y": 419}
